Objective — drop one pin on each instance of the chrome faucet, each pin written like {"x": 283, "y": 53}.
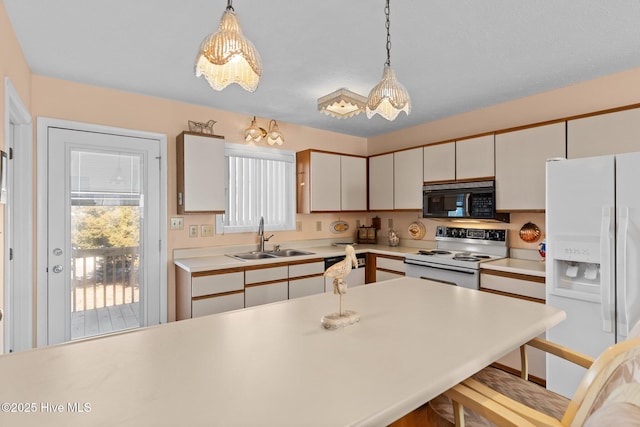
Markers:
{"x": 261, "y": 234}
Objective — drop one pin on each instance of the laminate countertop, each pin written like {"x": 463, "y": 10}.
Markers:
{"x": 274, "y": 365}
{"x": 516, "y": 265}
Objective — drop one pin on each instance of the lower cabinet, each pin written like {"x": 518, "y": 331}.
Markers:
{"x": 521, "y": 286}
{"x": 208, "y": 292}
{"x": 386, "y": 267}
{"x": 265, "y": 293}
{"x": 306, "y": 278}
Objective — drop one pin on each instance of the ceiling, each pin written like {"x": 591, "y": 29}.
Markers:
{"x": 452, "y": 56}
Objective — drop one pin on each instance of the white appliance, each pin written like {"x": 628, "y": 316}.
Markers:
{"x": 593, "y": 258}
{"x": 458, "y": 254}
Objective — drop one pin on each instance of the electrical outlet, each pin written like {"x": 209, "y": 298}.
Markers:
{"x": 206, "y": 230}
{"x": 177, "y": 223}
{"x": 193, "y": 231}
{"x": 318, "y": 225}
{"x": 298, "y": 225}
{"x": 390, "y": 223}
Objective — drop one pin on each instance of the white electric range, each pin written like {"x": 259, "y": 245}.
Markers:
{"x": 458, "y": 254}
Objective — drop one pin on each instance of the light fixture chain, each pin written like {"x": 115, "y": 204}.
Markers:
{"x": 230, "y": 6}
{"x": 388, "y": 25}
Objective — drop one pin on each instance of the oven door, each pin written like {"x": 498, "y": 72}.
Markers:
{"x": 457, "y": 276}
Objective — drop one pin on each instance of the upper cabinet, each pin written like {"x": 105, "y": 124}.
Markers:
{"x": 408, "y": 179}
{"x": 611, "y": 133}
{"x": 200, "y": 170}
{"x": 381, "y": 182}
{"x": 475, "y": 158}
{"x": 521, "y": 165}
{"x": 439, "y": 162}
{"x": 330, "y": 182}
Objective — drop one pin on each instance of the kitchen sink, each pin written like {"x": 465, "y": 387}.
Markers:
{"x": 270, "y": 254}
{"x": 290, "y": 252}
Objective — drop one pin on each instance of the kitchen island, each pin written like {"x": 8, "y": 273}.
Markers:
{"x": 274, "y": 365}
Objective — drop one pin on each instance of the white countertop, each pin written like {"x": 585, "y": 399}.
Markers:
{"x": 516, "y": 265}
{"x": 274, "y": 365}
{"x": 215, "y": 262}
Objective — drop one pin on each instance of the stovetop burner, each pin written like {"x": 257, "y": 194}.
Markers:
{"x": 434, "y": 252}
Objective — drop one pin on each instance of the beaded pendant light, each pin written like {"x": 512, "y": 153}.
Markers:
{"x": 226, "y": 56}
{"x": 388, "y": 97}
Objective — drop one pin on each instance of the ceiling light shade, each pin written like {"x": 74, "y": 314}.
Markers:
{"x": 342, "y": 104}
{"x": 388, "y": 97}
{"x": 254, "y": 133}
{"x": 226, "y": 56}
{"x": 274, "y": 136}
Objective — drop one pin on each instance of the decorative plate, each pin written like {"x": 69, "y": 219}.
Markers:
{"x": 339, "y": 227}
{"x": 417, "y": 230}
{"x": 530, "y": 232}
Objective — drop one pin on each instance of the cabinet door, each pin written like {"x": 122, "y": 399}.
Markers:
{"x": 381, "y": 182}
{"x": 325, "y": 182}
{"x": 308, "y": 286}
{"x": 200, "y": 173}
{"x": 521, "y": 165}
{"x": 353, "y": 183}
{"x": 217, "y": 304}
{"x": 407, "y": 179}
{"x": 475, "y": 158}
{"x": 264, "y": 294}
{"x": 611, "y": 133}
{"x": 439, "y": 162}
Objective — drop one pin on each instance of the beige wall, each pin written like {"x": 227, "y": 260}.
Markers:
{"x": 594, "y": 95}
{"x": 66, "y": 100}
{"x": 14, "y": 66}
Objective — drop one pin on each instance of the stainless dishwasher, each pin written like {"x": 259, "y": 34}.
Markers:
{"x": 355, "y": 278}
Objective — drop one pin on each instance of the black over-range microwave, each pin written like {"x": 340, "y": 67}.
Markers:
{"x": 462, "y": 200}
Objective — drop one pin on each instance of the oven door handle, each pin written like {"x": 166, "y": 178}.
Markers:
{"x": 439, "y": 281}
{"x": 441, "y": 268}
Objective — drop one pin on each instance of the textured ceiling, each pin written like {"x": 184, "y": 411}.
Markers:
{"x": 452, "y": 56}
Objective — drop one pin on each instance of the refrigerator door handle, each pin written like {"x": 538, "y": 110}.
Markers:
{"x": 606, "y": 285}
{"x": 623, "y": 234}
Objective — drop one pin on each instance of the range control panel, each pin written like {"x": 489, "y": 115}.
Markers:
{"x": 471, "y": 233}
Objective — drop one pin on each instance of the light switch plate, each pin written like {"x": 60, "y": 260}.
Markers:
{"x": 206, "y": 230}
{"x": 193, "y": 231}
{"x": 177, "y": 223}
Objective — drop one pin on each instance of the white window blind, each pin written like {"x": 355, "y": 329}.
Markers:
{"x": 260, "y": 183}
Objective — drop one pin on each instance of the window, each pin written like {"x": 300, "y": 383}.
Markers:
{"x": 260, "y": 182}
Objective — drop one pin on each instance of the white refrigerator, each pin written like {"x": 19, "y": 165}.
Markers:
{"x": 593, "y": 257}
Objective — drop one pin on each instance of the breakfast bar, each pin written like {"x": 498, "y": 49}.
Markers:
{"x": 275, "y": 365}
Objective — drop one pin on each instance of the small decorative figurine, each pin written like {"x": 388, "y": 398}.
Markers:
{"x": 338, "y": 272}
{"x": 203, "y": 128}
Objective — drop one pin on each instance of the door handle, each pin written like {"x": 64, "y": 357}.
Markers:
{"x": 58, "y": 268}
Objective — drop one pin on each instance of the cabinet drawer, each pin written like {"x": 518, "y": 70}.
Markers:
{"x": 304, "y": 287}
{"x": 390, "y": 264}
{"x": 217, "y": 304}
{"x": 308, "y": 269}
{"x": 265, "y": 294}
{"x": 217, "y": 283}
{"x": 381, "y": 276}
{"x": 266, "y": 274}
{"x": 516, "y": 286}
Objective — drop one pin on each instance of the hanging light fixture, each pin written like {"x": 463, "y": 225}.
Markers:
{"x": 342, "y": 104}
{"x": 255, "y": 133}
{"x": 388, "y": 97}
{"x": 226, "y": 56}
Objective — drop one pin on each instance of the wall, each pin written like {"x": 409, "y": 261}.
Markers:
{"x": 66, "y": 100}
{"x": 14, "y": 66}
{"x": 594, "y": 95}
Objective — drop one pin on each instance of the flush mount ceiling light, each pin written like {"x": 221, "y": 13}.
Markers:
{"x": 254, "y": 133}
{"x": 388, "y": 97}
{"x": 342, "y": 104}
{"x": 226, "y": 56}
